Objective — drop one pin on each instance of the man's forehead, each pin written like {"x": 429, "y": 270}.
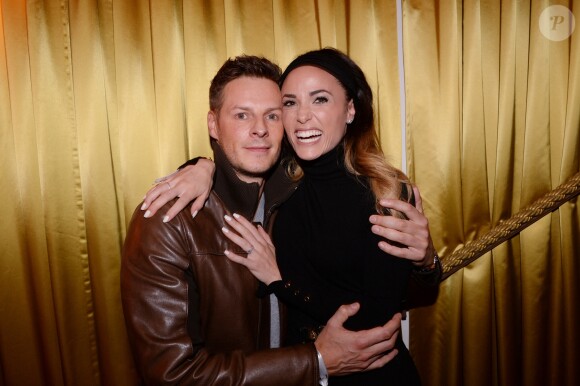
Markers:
{"x": 252, "y": 84}
{"x": 250, "y": 89}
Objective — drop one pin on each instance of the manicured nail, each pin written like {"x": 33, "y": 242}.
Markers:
{"x": 228, "y": 218}
{"x": 147, "y": 214}
{"x": 236, "y": 215}
{"x": 144, "y": 206}
{"x": 166, "y": 219}
{"x": 225, "y": 230}
{"x": 194, "y": 214}
{"x": 226, "y": 252}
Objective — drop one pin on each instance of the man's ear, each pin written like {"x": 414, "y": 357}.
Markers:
{"x": 212, "y": 125}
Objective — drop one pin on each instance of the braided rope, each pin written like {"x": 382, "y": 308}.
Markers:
{"x": 507, "y": 229}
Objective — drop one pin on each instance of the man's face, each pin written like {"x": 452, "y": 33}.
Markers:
{"x": 248, "y": 126}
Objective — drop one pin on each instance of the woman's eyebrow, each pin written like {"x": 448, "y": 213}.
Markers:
{"x": 319, "y": 91}
{"x": 310, "y": 93}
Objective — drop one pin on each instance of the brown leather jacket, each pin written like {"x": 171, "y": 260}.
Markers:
{"x": 193, "y": 316}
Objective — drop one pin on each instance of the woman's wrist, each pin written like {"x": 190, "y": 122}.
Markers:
{"x": 203, "y": 161}
{"x": 207, "y": 164}
{"x": 274, "y": 286}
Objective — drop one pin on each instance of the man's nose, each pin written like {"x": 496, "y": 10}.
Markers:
{"x": 260, "y": 129}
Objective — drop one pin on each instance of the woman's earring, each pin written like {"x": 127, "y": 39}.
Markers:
{"x": 349, "y": 121}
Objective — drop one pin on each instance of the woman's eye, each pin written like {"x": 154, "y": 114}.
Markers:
{"x": 321, "y": 99}
{"x": 288, "y": 103}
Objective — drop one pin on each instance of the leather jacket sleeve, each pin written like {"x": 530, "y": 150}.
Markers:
{"x": 164, "y": 324}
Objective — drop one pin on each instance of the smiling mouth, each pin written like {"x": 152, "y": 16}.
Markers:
{"x": 307, "y": 136}
{"x": 258, "y": 150}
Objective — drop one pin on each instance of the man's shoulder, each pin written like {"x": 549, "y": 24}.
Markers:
{"x": 212, "y": 213}
{"x": 194, "y": 234}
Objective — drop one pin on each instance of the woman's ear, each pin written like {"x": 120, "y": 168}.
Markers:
{"x": 350, "y": 112}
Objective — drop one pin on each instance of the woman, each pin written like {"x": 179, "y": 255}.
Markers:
{"x": 325, "y": 253}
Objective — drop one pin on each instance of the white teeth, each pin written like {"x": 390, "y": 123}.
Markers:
{"x": 308, "y": 135}
{"x": 308, "y": 140}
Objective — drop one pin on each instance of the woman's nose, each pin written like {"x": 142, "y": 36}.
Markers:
{"x": 304, "y": 113}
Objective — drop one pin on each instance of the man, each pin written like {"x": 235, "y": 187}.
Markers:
{"x": 193, "y": 316}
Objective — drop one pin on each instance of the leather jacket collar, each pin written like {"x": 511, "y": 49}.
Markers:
{"x": 243, "y": 198}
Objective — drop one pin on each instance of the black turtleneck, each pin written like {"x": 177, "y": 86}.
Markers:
{"x": 328, "y": 256}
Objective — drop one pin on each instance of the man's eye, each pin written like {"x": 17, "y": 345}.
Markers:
{"x": 321, "y": 99}
{"x": 273, "y": 117}
{"x": 241, "y": 115}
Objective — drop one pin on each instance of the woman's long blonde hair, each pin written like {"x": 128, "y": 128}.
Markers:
{"x": 363, "y": 155}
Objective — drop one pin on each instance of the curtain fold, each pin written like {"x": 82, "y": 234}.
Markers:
{"x": 496, "y": 128}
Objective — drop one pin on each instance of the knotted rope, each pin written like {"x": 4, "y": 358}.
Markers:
{"x": 507, "y": 229}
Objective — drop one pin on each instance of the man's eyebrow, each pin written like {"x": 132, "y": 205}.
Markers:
{"x": 246, "y": 108}
{"x": 241, "y": 107}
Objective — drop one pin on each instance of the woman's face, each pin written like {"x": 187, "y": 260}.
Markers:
{"x": 315, "y": 111}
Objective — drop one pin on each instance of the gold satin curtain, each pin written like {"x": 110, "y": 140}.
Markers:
{"x": 97, "y": 98}
{"x": 497, "y": 127}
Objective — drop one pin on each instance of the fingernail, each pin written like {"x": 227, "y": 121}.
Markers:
{"x": 225, "y": 230}
{"x": 228, "y": 218}
{"x": 166, "y": 219}
{"x": 236, "y": 215}
{"x": 147, "y": 214}
{"x": 144, "y": 206}
{"x": 226, "y": 252}
{"x": 194, "y": 214}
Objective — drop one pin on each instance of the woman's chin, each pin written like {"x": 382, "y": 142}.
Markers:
{"x": 308, "y": 155}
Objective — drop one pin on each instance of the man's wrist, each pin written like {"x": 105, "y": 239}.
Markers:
{"x": 323, "y": 372}
{"x": 431, "y": 266}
